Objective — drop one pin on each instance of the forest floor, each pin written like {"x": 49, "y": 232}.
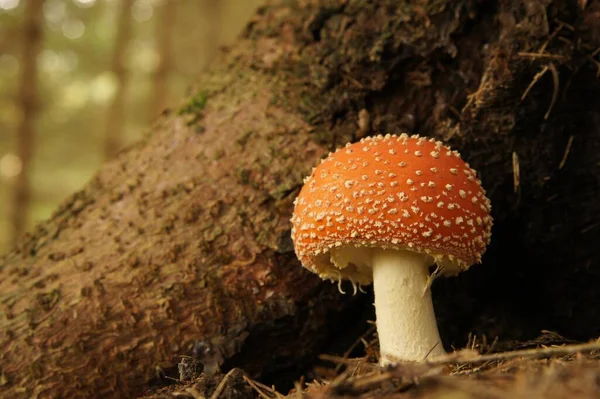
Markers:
{"x": 545, "y": 371}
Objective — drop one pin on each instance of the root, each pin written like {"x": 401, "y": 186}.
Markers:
{"x": 555, "y": 79}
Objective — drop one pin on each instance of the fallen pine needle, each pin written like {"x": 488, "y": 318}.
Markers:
{"x": 221, "y": 385}
{"x": 470, "y": 357}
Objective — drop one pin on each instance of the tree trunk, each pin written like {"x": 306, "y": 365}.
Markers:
{"x": 212, "y": 11}
{"x": 164, "y": 30}
{"x": 28, "y": 100}
{"x": 116, "y": 113}
{"x": 183, "y": 241}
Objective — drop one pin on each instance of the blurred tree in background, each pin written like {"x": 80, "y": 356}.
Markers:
{"x": 105, "y": 69}
{"x": 31, "y": 34}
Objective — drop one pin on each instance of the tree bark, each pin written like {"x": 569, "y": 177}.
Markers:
{"x": 116, "y": 114}
{"x": 183, "y": 241}
{"x": 28, "y": 101}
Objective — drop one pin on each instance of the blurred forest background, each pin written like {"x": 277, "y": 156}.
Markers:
{"x": 82, "y": 79}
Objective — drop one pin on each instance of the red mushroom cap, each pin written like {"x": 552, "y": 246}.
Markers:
{"x": 395, "y": 192}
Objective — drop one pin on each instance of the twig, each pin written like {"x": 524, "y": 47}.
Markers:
{"x": 369, "y": 331}
{"x": 349, "y": 362}
{"x": 535, "y": 79}
{"x": 470, "y": 358}
{"x": 543, "y": 55}
{"x": 299, "y": 390}
{"x": 552, "y": 36}
{"x": 431, "y": 350}
{"x": 566, "y": 154}
{"x": 340, "y": 359}
{"x": 556, "y": 89}
{"x": 516, "y": 171}
{"x": 258, "y": 387}
{"x": 371, "y": 379}
{"x": 194, "y": 393}
{"x": 221, "y": 385}
{"x": 590, "y": 228}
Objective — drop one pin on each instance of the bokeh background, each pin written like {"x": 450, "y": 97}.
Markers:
{"x": 82, "y": 79}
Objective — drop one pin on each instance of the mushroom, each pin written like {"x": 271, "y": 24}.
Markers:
{"x": 383, "y": 211}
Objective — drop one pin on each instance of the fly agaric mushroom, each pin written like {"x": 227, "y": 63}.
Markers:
{"x": 382, "y": 211}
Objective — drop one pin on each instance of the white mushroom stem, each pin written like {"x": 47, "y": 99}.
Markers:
{"x": 406, "y": 322}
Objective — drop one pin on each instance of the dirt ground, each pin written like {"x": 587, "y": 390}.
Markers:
{"x": 542, "y": 371}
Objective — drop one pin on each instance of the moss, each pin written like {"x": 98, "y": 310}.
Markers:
{"x": 244, "y": 176}
{"x": 194, "y": 108}
{"x": 196, "y": 104}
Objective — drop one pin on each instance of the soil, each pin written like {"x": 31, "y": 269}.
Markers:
{"x": 569, "y": 371}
